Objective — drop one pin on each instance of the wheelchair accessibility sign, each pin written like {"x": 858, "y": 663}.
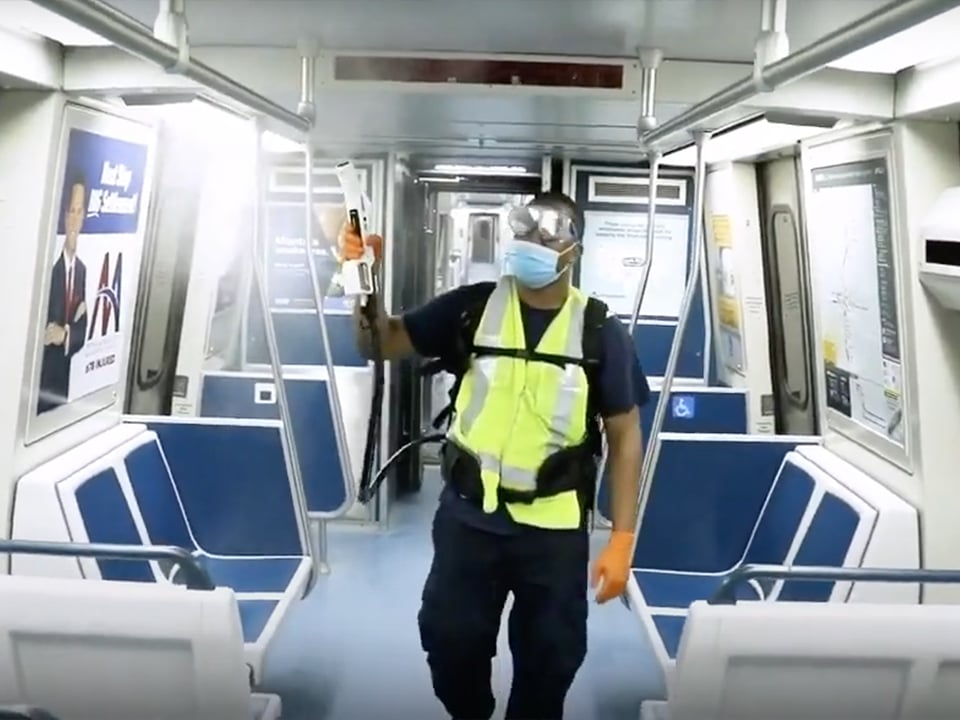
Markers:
{"x": 683, "y": 407}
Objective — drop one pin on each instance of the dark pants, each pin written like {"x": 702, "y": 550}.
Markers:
{"x": 463, "y": 599}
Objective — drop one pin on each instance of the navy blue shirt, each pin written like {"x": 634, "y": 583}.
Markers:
{"x": 623, "y": 386}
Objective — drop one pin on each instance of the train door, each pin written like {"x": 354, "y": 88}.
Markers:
{"x": 791, "y": 332}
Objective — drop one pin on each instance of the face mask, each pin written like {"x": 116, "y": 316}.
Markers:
{"x": 532, "y": 264}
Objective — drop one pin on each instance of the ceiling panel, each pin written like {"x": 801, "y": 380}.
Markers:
{"x": 722, "y": 30}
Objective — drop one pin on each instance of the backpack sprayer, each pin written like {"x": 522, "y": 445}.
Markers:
{"x": 360, "y": 282}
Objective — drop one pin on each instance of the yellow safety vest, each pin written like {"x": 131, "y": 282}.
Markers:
{"x": 512, "y": 413}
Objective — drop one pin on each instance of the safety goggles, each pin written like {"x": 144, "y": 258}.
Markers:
{"x": 542, "y": 224}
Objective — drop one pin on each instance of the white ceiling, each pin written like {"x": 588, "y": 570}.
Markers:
{"x": 722, "y": 30}
{"x": 710, "y": 30}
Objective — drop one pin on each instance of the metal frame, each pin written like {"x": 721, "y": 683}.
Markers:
{"x": 195, "y": 577}
{"x": 854, "y": 145}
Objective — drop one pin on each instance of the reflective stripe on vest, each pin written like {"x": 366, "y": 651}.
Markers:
{"x": 512, "y": 414}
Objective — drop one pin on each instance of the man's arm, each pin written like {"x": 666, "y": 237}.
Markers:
{"x": 624, "y": 458}
{"x": 623, "y": 391}
{"x": 431, "y": 330}
{"x": 395, "y": 342}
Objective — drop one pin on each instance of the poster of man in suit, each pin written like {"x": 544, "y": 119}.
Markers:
{"x": 98, "y": 239}
{"x": 66, "y": 328}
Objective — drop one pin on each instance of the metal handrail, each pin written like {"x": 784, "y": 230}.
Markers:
{"x": 195, "y": 577}
{"x": 291, "y": 454}
{"x": 862, "y": 32}
{"x": 693, "y": 283}
{"x": 725, "y": 594}
{"x": 125, "y": 32}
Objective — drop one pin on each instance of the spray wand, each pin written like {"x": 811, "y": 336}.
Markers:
{"x": 360, "y": 282}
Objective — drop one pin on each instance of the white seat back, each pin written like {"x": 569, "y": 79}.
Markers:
{"x": 810, "y": 661}
{"x": 90, "y": 650}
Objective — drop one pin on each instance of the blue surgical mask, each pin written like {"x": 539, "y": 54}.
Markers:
{"x": 533, "y": 265}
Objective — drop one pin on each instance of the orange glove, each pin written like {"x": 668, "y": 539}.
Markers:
{"x": 351, "y": 247}
{"x": 613, "y": 566}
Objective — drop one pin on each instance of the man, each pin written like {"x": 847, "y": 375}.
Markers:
{"x": 66, "y": 328}
{"x": 519, "y": 466}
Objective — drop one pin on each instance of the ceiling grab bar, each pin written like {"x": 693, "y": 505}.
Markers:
{"x": 726, "y": 595}
{"x": 257, "y": 258}
{"x": 652, "y": 454}
{"x": 653, "y": 178}
{"x": 126, "y": 33}
{"x": 875, "y": 26}
{"x": 307, "y": 108}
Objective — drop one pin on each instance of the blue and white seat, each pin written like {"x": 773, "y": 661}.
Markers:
{"x": 811, "y": 516}
{"x": 118, "y": 489}
{"x": 178, "y": 653}
{"x": 796, "y": 661}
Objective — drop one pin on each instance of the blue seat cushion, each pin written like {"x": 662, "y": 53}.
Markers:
{"x": 252, "y": 574}
{"x": 254, "y": 615}
{"x": 682, "y": 589}
{"x": 670, "y": 628}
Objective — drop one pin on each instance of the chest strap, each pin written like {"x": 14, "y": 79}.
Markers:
{"x": 532, "y": 356}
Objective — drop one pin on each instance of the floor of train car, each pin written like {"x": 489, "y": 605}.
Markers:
{"x": 351, "y": 649}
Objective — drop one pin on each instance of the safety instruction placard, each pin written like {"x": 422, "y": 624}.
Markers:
{"x": 614, "y": 253}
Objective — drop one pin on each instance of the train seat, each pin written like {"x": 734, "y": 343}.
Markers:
{"x": 796, "y": 661}
{"x": 895, "y": 542}
{"x": 809, "y": 517}
{"x": 121, "y": 491}
{"x": 85, "y": 650}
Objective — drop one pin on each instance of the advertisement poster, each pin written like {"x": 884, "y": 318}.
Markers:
{"x": 288, "y": 273}
{"x": 93, "y": 258}
{"x": 728, "y": 295}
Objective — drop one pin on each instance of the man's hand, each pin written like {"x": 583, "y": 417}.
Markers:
{"x": 351, "y": 247}
{"x": 54, "y": 334}
{"x": 613, "y": 566}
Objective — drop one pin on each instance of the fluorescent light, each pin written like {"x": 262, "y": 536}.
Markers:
{"x": 273, "y": 143}
{"x": 23, "y": 15}
{"x": 934, "y": 39}
{"x": 482, "y": 169}
{"x": 746, "y": 141}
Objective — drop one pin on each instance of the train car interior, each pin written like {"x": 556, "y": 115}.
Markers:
{"x": 219, "y": 503}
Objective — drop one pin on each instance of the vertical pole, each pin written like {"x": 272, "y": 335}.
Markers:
{"x": 653, "y": 442}
{"x": 257, "y": 256}
{"x": 307, "y": 108}
{"x": 653, "y": 178}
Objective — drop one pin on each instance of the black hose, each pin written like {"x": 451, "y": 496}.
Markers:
{"x": 400, "y": 452}
{"x": 370, "y": 311}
